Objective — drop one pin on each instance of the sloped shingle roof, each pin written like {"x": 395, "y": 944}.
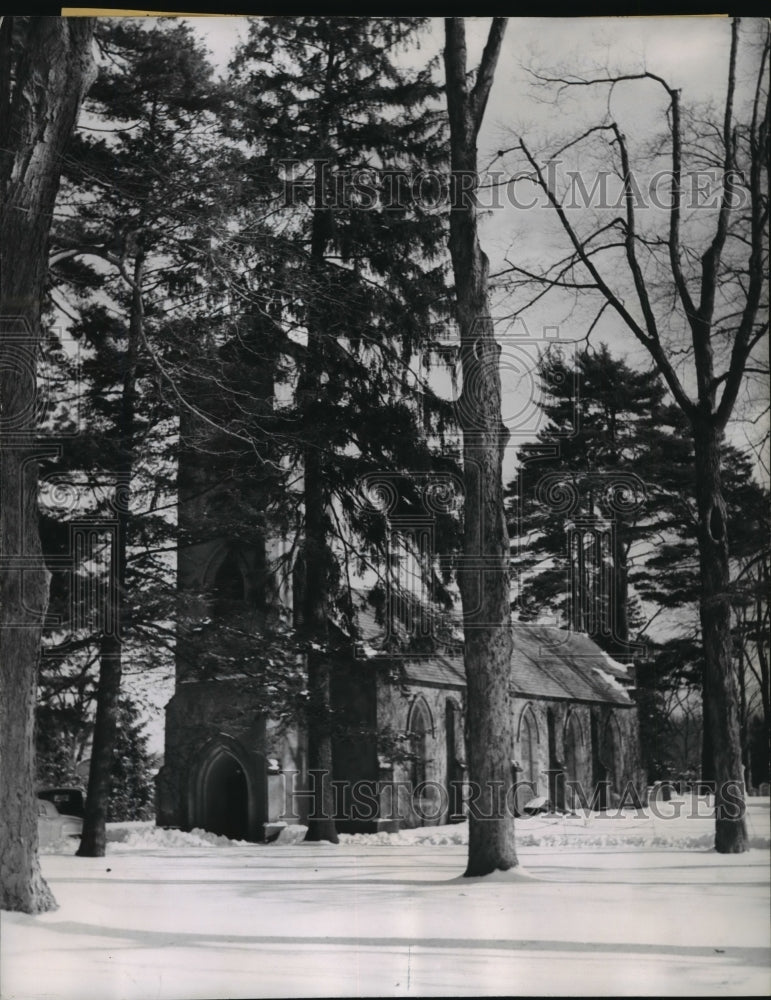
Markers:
{"x": 547, "y": 662}
{"x": 442, "y": 670}
{"x": 554, "y": 663}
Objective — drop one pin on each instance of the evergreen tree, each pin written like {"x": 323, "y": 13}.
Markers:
{"x": 131, "y": 778}
{"x": 752, "y": 634}
{"x": 64, "y": 730}
{"x": 136, "y": 200}
{"x": 606, "y": 474}
{"x": 609, "y": 429}
{"x": 361, "y": 281}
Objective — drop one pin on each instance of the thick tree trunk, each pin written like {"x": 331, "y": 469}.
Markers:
{"x": 484, "y": 576}
{"x": 51, "y": 72}
{"x": 721, "y": 718}
{"x": 484, "y": 583}
{"x": 24, "y": 598}
{"x": 321, "y": 822}
{"x": 744, "y": 719}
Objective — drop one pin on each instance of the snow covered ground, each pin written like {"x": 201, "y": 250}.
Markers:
{"x": 601, "y": 906}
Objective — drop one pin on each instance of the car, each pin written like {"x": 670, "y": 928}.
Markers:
{"x": 53, "y": 826}
{"x": 68, "y": 799}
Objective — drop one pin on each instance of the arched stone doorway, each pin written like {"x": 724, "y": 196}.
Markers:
{"x": 226, "y": 798}
{"x": 228, "y": 791}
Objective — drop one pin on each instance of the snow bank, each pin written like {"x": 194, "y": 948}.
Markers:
{"x": 65, "y": 845}
{"x": 426, "y": 836}
{"x": 147, "y": 836}
{"x": 692, "y": 829}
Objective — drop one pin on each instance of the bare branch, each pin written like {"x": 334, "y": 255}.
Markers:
{"x": 651, "y": 343}
{"x": 674, "y": 215}
{"x": 631, "y": 252}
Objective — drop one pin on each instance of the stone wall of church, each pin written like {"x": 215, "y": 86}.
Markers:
{"x": 424, "y": 791}
{"x": 561, "y": 751}
{"x": 229, "y": 770}
{"x": 564, "y": 749}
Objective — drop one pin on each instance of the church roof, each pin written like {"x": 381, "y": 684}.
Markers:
{"x": 448, "y": 672}
{"x": 547, "y": 662}
{"x": 550, "y": 662}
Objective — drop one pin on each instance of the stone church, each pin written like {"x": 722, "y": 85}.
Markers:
{"x": 234, "y": 766}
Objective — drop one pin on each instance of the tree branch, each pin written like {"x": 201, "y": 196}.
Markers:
{"x": 481, "y": 91}
{"x": 652, "y": 344}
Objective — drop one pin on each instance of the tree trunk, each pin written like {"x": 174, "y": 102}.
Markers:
{"x": 721, "y": 719}
{"x": 744, "y": 718}
{"x": 484, "y": 576}
{"x": 620, "y": 612}
{"x": 24, "y": 598}
{"x": 321, "y": 822}
{"x": 94, "y": 838}
{"x": 761, "y": 631}
{"x": 51, "y": 71}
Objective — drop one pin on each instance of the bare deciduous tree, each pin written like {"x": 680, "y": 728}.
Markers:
{"x": 676, "y": 277}
{"x": 484, "y": 575}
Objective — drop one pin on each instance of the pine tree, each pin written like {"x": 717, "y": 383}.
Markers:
{"x": 136, "y": 201}
{"x": 605, "y": 475}
{"x": 64, "y": 730}
{"x": 131, "y": 780}
{"x": 362, "y": 279}
{"x": 610, "y": 429}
